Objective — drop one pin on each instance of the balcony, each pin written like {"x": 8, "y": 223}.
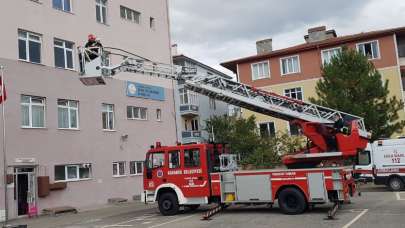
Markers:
{"x": 189, "y": 110}
{"x": 191, "y": 136}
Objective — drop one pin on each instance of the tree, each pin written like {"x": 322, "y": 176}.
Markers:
{"x": 351, "y": 84}
{"x": 243, "y": 137}
{"x": 239, "y": 133}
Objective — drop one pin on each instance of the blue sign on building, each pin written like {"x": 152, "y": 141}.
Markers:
{"x": 145, "y": 91}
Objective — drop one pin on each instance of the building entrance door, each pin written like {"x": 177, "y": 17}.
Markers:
{"x": 24, "y": 189}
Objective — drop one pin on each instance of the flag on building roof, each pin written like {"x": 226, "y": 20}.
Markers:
{"x": 3, "y": 94}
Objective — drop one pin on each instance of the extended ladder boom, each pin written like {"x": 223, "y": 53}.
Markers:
{"x": 217, "y": 87}
{"x": 310, "y": 117}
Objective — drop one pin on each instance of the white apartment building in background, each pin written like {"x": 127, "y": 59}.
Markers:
{"x": 68, "y": 144}
{"x": 194, "y": 109}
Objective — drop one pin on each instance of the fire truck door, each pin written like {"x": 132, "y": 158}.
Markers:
{"x": 195, "y": 176}
{"x": 156, "y": 168}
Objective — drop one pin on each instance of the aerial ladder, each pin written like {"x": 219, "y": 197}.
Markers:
{"x": 315, "y": 121}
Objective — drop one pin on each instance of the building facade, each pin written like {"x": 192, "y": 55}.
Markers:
{"x": 68, "y": 144}
{"x": 294, "y": 71}
{"x": 194, "y": 109}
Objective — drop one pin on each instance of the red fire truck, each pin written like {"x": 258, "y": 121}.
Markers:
{"x": 191, "y": 175}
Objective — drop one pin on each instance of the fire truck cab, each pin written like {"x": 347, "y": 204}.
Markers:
{"x": 197, "y": 174}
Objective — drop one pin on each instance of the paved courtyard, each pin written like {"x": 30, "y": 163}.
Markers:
{"x": 377, "y": 208}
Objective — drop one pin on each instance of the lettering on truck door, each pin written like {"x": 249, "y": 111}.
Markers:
{"x": 195, "y": 177}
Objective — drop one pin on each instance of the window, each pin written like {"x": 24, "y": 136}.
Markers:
{"x": 369, "y": 49}
{"x": 401, "y": 46}
{"x": 294, "y": 93}
{"x": 327, "y": 55}
{"x": 108, "y": 116}
{"x": 135, "y": 167}
{"x": 267, "y": 129}
{"x": 32, "y": 111}
{"x": 62, "y": 5}
{"x": 68, "y": 114}
{"x": 294, "y": 129}
{"x": 152, "y": 23}
{"x": 290, "y": 65}
{"x": 188, "y": 97}
{"x": 29, "y": 46}
{"x": 191, "y": 158}
{"x": 364, "y": 158}
{"x": 213, "y": 105}
{"x": 156, "y": 160}
{"x": 403, "y": 79}
{"x": 72, "y": 172}
{"x": 137, "y": 113}
{"x": 174, "y": 159}
{"x": 101, "y": 11}
{"x": 118, "y": 169}
{"x": 158, "y": 114}
{"x": 192, "y": 125}
{"x": 260, "y": 70}
{"x": 63, "y": 54}
{"x": 131, "y": 15}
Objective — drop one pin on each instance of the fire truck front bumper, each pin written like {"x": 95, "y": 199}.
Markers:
{"x": 148, "y": 196}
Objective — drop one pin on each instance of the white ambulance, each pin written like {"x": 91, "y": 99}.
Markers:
{"x": 384, "y": 162}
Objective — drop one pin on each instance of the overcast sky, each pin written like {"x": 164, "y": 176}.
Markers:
{"x": 214, "y": 31}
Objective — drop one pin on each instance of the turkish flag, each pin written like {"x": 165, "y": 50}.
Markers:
{"x": 3, "y": 95}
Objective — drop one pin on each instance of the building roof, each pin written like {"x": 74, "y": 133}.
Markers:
{"x": 231, "y": 65}
{"x": 188, "y": 59}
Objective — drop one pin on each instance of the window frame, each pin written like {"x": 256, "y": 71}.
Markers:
{"x": 136, "y": 168}
{"x": 295, "y": 88}
{"x": 212, "y": 103}
{"x": 27, "y": 41}
{"x": 289, "y": 130}
{"x": 370, "y": 42}
{"x": 127, "y": 10}
{"x": 69, "y": 108}
{"x": 139, "y": 113}
{"x": 192, "y": 97}
{"x": 268, "y": 128}
{"x": 78, "y": 166}
{"x": 109, "y": 128}
{"x": 63, "y": 6}
{"x": 158, "y": 114}
{"x": 102, "y": 5}
{"x": 152, "y": 23}
{"x": 328, "y": 50}
{"x": 65, "y": 50}
{"x": 30, "y": 104}
{"x": 260, "y": 76}
{"x": 190, "y": 166}
{"x": 290, "y": 57}
{"x": 178, "y": 157}
{"x": 118, "y": 164}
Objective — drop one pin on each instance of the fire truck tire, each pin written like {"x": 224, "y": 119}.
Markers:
{"x": 292, "y": 201}
{"x": 395, "y": 184}
{"x": 168, "y": 204}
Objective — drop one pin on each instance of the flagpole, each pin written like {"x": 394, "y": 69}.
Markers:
{"x": 4, "y": 146}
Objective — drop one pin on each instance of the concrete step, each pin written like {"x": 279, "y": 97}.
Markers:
{"x": 59, "y": 210}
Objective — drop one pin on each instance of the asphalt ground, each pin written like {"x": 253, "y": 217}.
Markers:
{"x": 376, "y": 207}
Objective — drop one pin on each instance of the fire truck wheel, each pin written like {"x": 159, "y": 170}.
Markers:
{"x": 395, "y": 184}
{"x": 292, "y": 201}
{"x": 168, "y": 204}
